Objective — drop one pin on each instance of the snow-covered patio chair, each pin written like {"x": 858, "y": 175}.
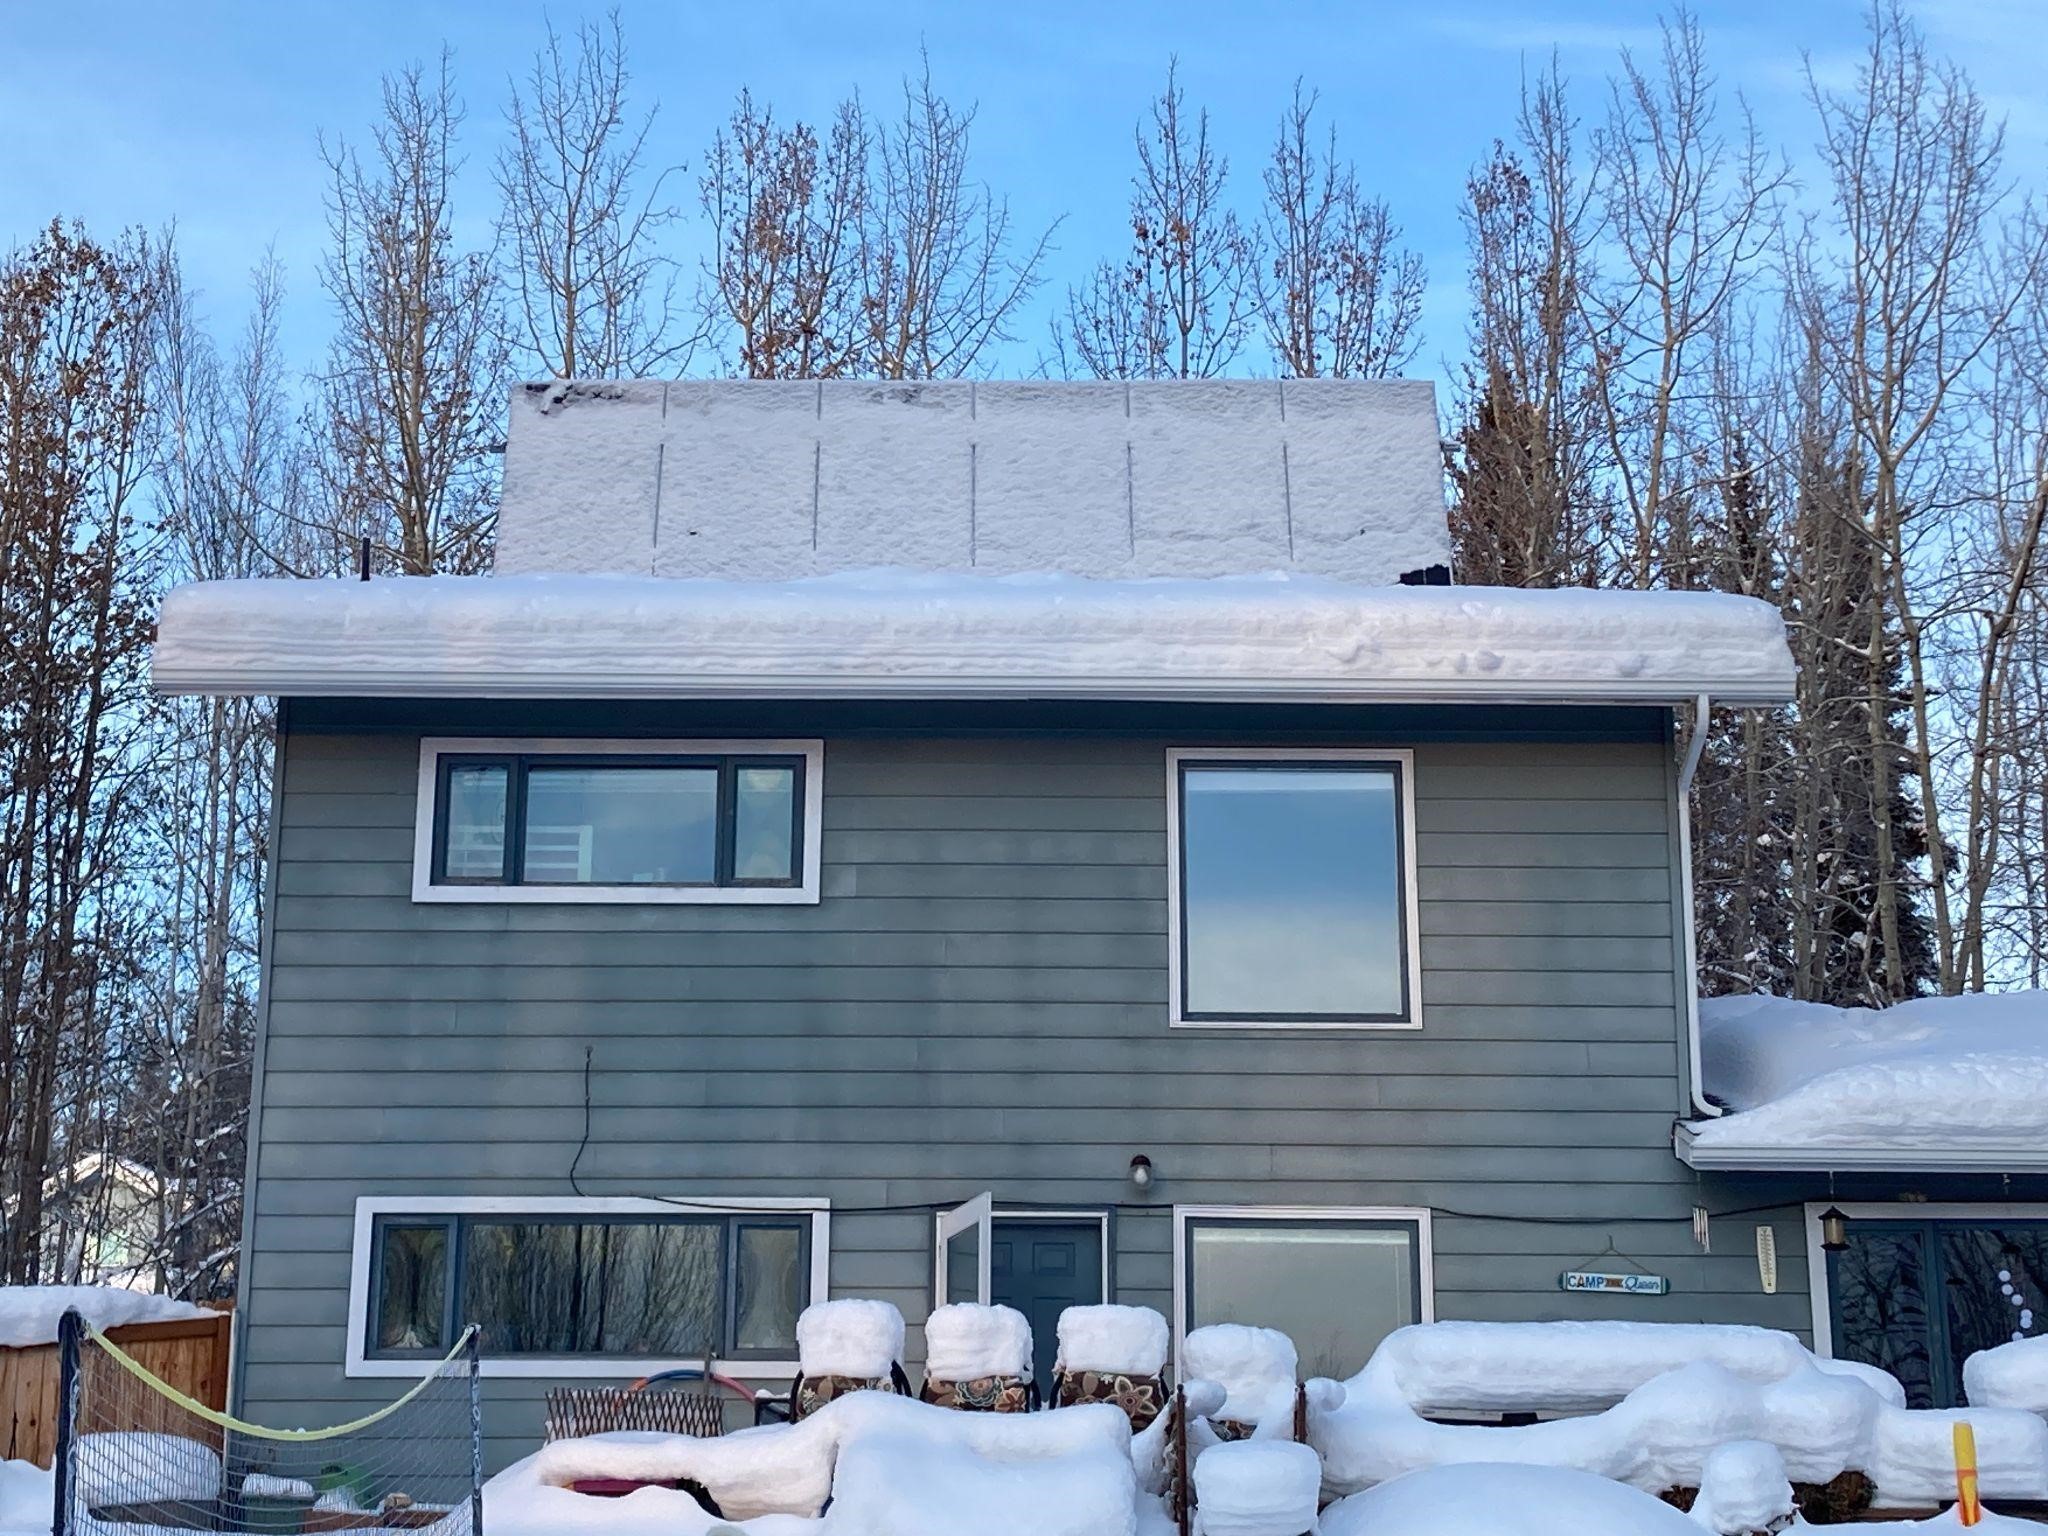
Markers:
{"x": 846, "y": 1346}
{"x": 1256, "y": 1367}
{"x": 978, "y": 1359}
{"x": 1112, "y": 1354}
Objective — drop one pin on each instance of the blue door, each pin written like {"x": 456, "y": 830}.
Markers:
{"x": 1041, "y": 1268}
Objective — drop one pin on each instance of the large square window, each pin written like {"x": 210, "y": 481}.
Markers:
{"x": 618, "y": 821}
{"x": 1336, "y": 1285}
{"x": 1292, "y": 889}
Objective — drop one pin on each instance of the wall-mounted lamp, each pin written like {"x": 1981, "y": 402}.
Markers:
{"x": 1141, "y": 1172}
{"x": 1834, "y": 1230}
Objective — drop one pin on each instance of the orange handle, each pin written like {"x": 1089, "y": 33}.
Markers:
{"x": 1967, "y": 1504}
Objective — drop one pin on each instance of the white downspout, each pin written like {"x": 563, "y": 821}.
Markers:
{"x": 1689, "y": 941}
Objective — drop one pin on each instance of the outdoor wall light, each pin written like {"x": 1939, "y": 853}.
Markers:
{"x": 1141, "y": 1172}
{"x": 1834, "y": 1230}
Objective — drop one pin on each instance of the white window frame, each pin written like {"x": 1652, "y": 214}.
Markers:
{"x": 1400, "y": 758}
{"x": 369, "y": 1208}
{"x": 1984, "y": 1213}
{"x": 804, "y": 893}
{"x": 1418, "y": 1216}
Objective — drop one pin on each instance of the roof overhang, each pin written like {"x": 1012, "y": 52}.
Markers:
{"x": 901, "y": 635}
{"x": 1967, "y": 1157}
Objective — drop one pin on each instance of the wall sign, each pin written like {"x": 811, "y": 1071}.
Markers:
{"x": 1625, "y": 1285}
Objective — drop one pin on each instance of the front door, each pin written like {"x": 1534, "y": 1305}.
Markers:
{"x": 1041, "y": 1268}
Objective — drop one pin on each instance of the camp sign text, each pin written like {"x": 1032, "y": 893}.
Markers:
{"x": 1631, "y": 1285}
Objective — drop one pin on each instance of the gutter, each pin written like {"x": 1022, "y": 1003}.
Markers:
{"x": 1690, "y": 938}
{"x": 1856, "y": 1159}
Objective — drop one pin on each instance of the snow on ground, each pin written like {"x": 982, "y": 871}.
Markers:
{"x": 2013, "y": 1375}
{"x": 1939, "y": 1073}
{"x": 27, "y": 1493}
{"x": 886, "y": 632}
{"x": 29, "y": 1313}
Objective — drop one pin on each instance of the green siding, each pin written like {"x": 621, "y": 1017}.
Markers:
{"x": 980, "y": 1002}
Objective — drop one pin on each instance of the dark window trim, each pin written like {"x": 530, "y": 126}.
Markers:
{"x": 458, "y": 1223}
{"x": 1281, "y": 761}
{"x": 518, "y": 765}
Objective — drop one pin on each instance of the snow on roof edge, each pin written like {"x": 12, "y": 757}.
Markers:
{"x": 901, "y": 634}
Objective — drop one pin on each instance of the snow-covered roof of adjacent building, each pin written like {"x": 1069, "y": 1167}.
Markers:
{"x": 765, "y": 480}
{"x": 884, "y": 634}
{"x": 1937, "y": 1083}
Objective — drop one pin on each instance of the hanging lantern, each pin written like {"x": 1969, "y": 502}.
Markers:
{"x": 1834, "y": 1230}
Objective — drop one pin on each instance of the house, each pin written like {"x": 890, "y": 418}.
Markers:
{"x": 1049, "y": 842}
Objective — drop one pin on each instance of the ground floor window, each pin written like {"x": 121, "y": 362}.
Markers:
{"x": 627, "y": 1280}
{"x": 1334, "y": 1281}
{"x": 1917, "y": 1296}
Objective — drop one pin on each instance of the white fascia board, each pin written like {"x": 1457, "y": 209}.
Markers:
{"x": 2014, "y": 1158}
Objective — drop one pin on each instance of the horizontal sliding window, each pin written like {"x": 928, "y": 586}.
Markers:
{"x": 683, "y": 1287}
{"x": 571, "y": 823}
{"x": 1293, "y": 889}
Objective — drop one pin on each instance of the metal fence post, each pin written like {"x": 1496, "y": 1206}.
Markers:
{"x": 476, "y": 1435}
{"x": 70, "y": 1333}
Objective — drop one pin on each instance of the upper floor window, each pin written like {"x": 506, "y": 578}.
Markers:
{"x": 1292, "y": 889}
{"x": 618, "y": 821}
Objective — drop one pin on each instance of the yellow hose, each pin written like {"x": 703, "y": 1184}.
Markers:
{"x": 228, "y": 1421}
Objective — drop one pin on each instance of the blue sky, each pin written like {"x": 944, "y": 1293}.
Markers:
{"x": 144, "y": 112}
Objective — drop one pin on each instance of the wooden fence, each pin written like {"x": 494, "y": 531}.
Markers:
{"x": 191, "y": 1354}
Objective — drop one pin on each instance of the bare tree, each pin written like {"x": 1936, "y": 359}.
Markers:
{"x": 1181, "y": 304}
{"x": 1687, "y": 213}
{"x": 941, "y": 282}
{"x": 592, "y": 293}
{"x": 410, "y": 421}
{"x": 1339, "y": 297}
{"x": 785, "y": 285}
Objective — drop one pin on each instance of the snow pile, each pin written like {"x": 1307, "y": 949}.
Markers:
{"x": 966, "y": 1341}
{"x": 28, "y": 1495}
{"x": 898, "y": 633}
{"x": 1123, "y": 1341}
{"x": 860, "y": 1339}
{"x": 1822, "y": 1423}
{"x": 788, "y": 1468}
{"x": 1943, "y": 1074}
{"x": 914, "y": 1485}
{"x": 1253, "y": 1365}
{"x": 1257, "y": 1488}
{"x": 2013, "y": 1375}
{"x": 29, "y": 1313}
{"x": 126, "y": 1466}
{"x": 1483, "y": 1500}
{"x": 1572, "y": 1367}
{"x": 1743, "y": 1489}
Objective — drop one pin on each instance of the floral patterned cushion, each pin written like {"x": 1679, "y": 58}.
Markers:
{"x": 984, "y": 1394}
{"x": 1142, "y": 1398}
{"x": 813, "y": 1392}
